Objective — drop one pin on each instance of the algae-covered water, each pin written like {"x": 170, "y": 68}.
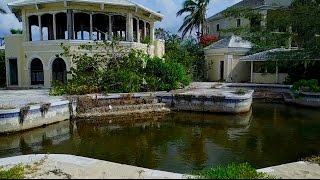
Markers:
{"x": 181, "y": 142}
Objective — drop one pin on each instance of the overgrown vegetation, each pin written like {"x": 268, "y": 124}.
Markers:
{"x": 307, "y": 85}
{"x": 240, "y": 91}
{"x": 2, "y": 69}
{"x": 232, "y": 171}
{"x": 16, "y": 172}
{"x": 313, "y": 159}
{"x": 107, "y": 67}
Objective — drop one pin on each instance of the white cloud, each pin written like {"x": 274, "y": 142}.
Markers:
{"x": 7, "y": 21}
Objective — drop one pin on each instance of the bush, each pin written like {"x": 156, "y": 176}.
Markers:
{"x": 129, "y": 72}
{"x": 233, "y": 171}
{"x": 307, "y": 85}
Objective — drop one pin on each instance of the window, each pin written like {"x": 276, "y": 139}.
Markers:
{"x": 238, "y": 22}
{"x": 218, "y": 27}
{"x": 13, "y": 71}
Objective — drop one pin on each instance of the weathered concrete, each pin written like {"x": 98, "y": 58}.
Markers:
{"x": 55, "y": 166}
{"x": 297, "y": 170}
{"x": 35, "y": 116}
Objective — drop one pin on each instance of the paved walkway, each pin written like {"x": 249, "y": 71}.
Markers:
{"x": 55, "y": 166}
{"x": 19, "y": 98}
{"x": 297, "y": 170}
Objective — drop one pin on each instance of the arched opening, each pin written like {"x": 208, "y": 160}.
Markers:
{"x": 82, "y": 26}
{"x": 47, "y": 27}
{"x": 34, "y": 28}
{"x": 141, "y": 30}
{"x": 61, "y": 26}
{"x": 37, "y": 76}
{"x": 119, "y": 28}
{"x": 100, "y": 23}
{"x": 135, "y": 31}
{"x": 59, "y": 70}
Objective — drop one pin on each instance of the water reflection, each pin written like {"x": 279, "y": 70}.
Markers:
{"x": 181, "y": 142}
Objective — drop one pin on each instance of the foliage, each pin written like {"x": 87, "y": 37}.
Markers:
{"x": 233, "y": 171}
{"x": 195, "y": 18}
{"x": 207, "y": 40}
{"x": 240, "y": 91}
{"x": 16, "y": 172}
{"x": 108, "y": 67}
{"x": 2, "y": 69}
{"x": 16, "y": 31}
{"x": 307, "y": 85}
{"x": 188, "y": 53}
{"x": 313, "y": 159}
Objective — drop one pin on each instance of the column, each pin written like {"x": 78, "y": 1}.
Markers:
{"x": 91, "y": 27}
{"x": 277, "y": 72}
{"x": 110, "y": 28}
{"x": 25, "y": 26}
{"x": 40, "y": 27}
{"x": 251, "y": 74}
{"x": 70, "y": 23}
{"x": 138, "y": 31}
{"x": 129, "y": 28}
{"x": 152, "y": 32}
{"x": 145, "y": 29}
{"x": 54, "y": 27}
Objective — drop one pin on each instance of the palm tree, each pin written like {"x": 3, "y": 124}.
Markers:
{"x": 196, "y": 17}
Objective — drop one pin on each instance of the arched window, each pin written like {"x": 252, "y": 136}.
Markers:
{"x": 59, "y": 70}
{"x": 100, "y": 24}
{"x": 47, "y": 27}
{"x": 119, "y": 27}
{"x": 61, "y": 26}
{"x": 37, "y": 76}
{"x": 34, "y": 28}
{"x": 141, "y": 29}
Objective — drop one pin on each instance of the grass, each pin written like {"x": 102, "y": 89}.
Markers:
{"x": 313, "y": 159}
{"x": 17, "y": 172}
{"x": 4, "y": 107}
{"x": 240, "y": 92}
{"x": 232, "y": 171}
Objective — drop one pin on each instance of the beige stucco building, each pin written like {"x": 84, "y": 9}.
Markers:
{"x": 218, "y": 22}
{"x": 33, "y": 58}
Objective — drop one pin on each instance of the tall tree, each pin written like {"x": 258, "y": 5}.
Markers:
{"x": 195, "y": 18}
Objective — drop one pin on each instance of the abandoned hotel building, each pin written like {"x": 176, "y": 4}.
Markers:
{"x": 32, "y": 58}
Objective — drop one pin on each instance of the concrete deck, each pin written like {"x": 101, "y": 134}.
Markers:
{"x": 20, "y": 98}
{"x": 56, "y": 166}
{"x": 297, "y": 170}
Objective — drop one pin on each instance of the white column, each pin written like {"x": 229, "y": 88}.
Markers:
{"x": 40, "y": 27}
{"x": 129, "y": 27}
{"x": 70, "y": 24}
{"x": 145, "y": 30}
{"x": 152, "y": 32}
{"x": 26, "y": 28}
{"x": 251, "y": 74}
{"x": 138, "y": 31}
{"x": 91, "y": 27}
{"x": 277, "y": 72}
{"x": 54, "y": 27}
{"x": 110, "y": 27}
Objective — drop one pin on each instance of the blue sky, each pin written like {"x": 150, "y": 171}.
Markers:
{"x": 167, "y": 7}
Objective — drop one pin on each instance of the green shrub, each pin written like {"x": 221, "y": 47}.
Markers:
{"x": 307, "y": 85}
{"x": 233, "y": 171}
{"x": 122, "y": 72}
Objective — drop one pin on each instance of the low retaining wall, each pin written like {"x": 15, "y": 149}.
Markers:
{"x": 306, "y": 99}
{"x": 29, "y": 117}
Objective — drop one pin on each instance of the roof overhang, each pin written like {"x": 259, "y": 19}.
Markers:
{"x": 234, "y": 51}
{"x": 17, "y": 5}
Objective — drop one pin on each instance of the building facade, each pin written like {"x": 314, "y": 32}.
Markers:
{"x": 33, "y": 58}
{"x": 218, "y": 22}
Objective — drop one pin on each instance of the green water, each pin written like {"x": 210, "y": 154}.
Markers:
{"x": 182, "y": 142}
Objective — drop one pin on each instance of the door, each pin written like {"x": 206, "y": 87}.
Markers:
{"x": 13, "y": 70}
{"x": 221, "y": 70}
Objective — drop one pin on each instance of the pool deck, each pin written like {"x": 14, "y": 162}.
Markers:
{"x": 56, "y": 166}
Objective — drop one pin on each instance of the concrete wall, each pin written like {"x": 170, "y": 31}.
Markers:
{"x": 12, "y": 120}
{"x": 268, "y": 78}
{"x": 234, "y": 70}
